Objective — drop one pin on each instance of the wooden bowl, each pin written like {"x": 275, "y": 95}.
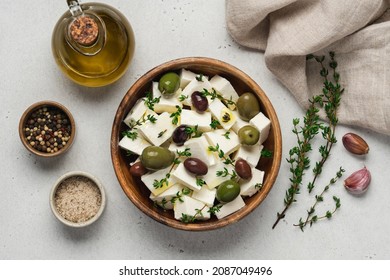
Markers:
{"x": 134, "y": 188}
{"x": 25, "y": 117}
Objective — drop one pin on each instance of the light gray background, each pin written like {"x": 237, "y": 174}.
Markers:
{"x": 164, "y": 30}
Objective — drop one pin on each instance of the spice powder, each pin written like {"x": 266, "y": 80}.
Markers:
{"x": 78, "y": 199}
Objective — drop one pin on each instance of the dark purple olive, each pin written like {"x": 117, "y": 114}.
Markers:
{"x": 137, "y": 169}
{"x": 243, "y": 169}
{"x": 199, "y": 101}
{"x": 195, "y": 166}
{"x": 179, "y": 135}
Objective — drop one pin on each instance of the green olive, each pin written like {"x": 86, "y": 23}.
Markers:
{"x": 248, "y": 135}
{"x": 155, "y": 158}
{"x": 248, "y": 106}
{"x": 169, "y": 84}
{"x": 228, "y": 191}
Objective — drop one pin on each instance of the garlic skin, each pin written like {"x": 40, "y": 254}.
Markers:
{"x": 355, "y": 144}
{"x": 357, "y": 183}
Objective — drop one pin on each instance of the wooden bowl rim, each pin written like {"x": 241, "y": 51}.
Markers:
{"x": 33, "y": 108}
{"x": 177, "y": 64}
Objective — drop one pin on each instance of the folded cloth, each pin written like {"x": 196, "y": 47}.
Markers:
{"x": 358, "y": 31}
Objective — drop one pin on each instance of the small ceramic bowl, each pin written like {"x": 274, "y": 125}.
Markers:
{"x": 133, "y": 186}
{"x": 64, "y": 191}
{"x": 50, "y": 105}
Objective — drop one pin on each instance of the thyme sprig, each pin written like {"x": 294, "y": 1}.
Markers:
{"x": 131, "y": 132}
{"x": 149, "y": 101}
{"x": 221, "y": 154}
{"x": 193, "y": 132}
{"x": 298, "y": 158}
{"x": 214, "y": 94}
{"x": 175, "y": 115}
{"x": 311, "y": 218}
{"x": 214, "y": 124}
{"x": 225, "y": 172}
{"x": 185, "y": 218}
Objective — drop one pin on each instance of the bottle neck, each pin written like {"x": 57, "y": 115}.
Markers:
{"x": 74, "y": 7}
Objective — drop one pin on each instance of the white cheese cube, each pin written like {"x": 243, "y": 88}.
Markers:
{"x": 186, "y": 77}
{"x": 223, "y": 114}
{"x": 193, "y": 86}
{"x": 136, "y": 113}
{"x": 192, "y": 208}
{"x": 225, "y": 88}
{"x": 251, "y": 154}
{"x": 193, "y": 118}
{"x": 165, "y": 104}
{"x": 160, "y": 131}
{"x": 227, "y": 141}
{"x": 135, "y": 146}
{"x": 263, "y": 125}
{"x": 211, "y": 178}
{"x": 253, "y": 185}
{"x": 239, "y": 122}
{"x": 205, "y": 195}
{"x": 230, "y": 207}
{"x": 199, "y": 148}
{"x": 166, "y": 198}
{"x": 149, "y": 178}
{"x": 182, "y": 176}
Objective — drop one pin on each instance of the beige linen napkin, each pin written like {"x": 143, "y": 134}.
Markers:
{"x": 357, "y": 30}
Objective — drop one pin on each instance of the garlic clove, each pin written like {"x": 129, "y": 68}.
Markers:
{"x": 355, "y": 144}
{"x": 357, "y": 183}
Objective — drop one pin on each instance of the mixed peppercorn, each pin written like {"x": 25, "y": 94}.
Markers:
{"x": 48, "y": 130}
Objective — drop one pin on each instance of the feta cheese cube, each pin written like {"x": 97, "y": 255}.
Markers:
{"x": 160, "y": 131}
{"x": 230, "y": 207}
{"x": 136, "y": 113}
{"x": 165, "y": 104}
{"x": 135, "y": 146}
{"x": 263, "y": 125}
{"x": 199, "y": 148}
{"x": 205, "y": 195}
{"x": 166, "y": 199}
{"x": 239, "y": 122}
{"x": 211, "y": 178}
{"x": 186, "y": 77}
{"x": 186, "y": 178}
{"x": 228, "y": 143}
{"x": 223, "y": 114}
{"x": 193, "y": 118}
{"x": 225, "y": 88}
{"x": 251, "y": 154}
{"x": 191, "y": 207}
{"x": 193, "y": 86}
{"x": 149, "y": 178}
{"x": 253, "y": 185}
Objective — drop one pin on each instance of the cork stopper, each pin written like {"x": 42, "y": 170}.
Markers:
{"x": 84, "y": 30}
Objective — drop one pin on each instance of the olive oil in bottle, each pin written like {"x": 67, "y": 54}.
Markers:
{"x": 93, "y": 44}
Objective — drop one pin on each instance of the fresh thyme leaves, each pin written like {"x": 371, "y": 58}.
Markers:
{"x": 266, "y": 153}
{"x": 225, "y": 172}
{"x": 214, "y": 124}
{"x": 179, "y": 195}
{"x": 227, "y": 135}
{"x": 213, "y": 94}
{"x": 298, "y": 158}
{"x": 193, "y": 132}
{"x": 311, "y": 218}
{"x": 221, "y": 154}
{"x": 175, "y": 116}
{"x": 157, "y": 184}
{"x": 185, "y": 153}
{"x": 161, "y": 133}
{"x": 183, "y": 97}
{"x": 130, "y": 134}
{"x": 189, "y": 218}
{"x": 215, "y": 209}
{"x": 150, "y": 101}
{"x": 199, "y": 78}
{"x": 200, "y": 182}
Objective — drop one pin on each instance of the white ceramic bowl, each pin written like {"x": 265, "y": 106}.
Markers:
{"x": 54, "y": 190}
